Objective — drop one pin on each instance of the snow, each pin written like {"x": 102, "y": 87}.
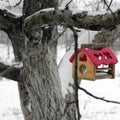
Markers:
{"x": 96, "y": 109}
{"x": 9, "y": 101}
{"x": 6, "y": 56}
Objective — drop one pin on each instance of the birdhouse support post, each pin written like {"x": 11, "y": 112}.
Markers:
{"x": 112, "y": 71}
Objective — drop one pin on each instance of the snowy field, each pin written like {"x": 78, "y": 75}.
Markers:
{"x": 91, "y": 109}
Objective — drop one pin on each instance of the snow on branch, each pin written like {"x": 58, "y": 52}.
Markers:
{"x": 9, "y": 72}
{"x": 99, "y": 98}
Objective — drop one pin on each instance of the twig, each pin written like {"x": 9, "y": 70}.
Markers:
{"x": 110, "y": 4}
{"x": 85, "y": 3}
{"x": 18, "y": 3}
{"x": 68, "y": 3}
{"x": 108, "y": 8}
{"x": 96, "y": 97}
{"x": 60, "y": 34}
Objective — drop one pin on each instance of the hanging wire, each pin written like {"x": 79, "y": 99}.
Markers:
{"x": 88, "y": 36}
{"x": 75, "y": 69}
{"x": 8, "y": 49}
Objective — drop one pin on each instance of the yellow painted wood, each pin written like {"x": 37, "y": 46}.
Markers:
{"x": 89, "y": 72}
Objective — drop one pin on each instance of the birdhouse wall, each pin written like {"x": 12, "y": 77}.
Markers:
{"x": 86, "y": 69}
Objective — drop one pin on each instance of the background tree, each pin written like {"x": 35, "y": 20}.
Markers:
{"x": 34, "y": 39}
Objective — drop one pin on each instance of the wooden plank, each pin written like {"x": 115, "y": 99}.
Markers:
{"x": 102, "y": 69}
{"x": 96, "y": 46}
{"x": 112, "y": 71}
{"x": 103, "y": 76}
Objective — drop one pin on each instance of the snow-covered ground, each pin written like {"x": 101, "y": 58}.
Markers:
{"x": 9, "y": 101}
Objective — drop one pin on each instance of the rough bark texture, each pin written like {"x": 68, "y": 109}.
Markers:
{"x": 107, "y": 37}
{"x": 81, "y": 20}
{"x": 41, "y": 73}
{"x": 12, "y": 25}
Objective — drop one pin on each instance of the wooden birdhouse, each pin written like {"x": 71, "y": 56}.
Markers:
{"x": 94, "y": 64}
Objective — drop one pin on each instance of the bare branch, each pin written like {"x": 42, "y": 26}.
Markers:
{"x": 107, "y": 37}
{"x": 12, "y": 25}
{"x": 108, "y": 6}
{"x": 9, "y": 20}
{"x": 99, "y": 98}
{"x": 79, "y": 20}
{"x": 18, "y": 3}
{"x": 9, "y": 72}
{"x": 68, "y": 3}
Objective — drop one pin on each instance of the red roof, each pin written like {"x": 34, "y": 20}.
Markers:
{"x": 104, "y": 56}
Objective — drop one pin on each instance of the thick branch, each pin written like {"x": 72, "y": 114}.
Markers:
{"x": 98, "y": 22}
{"x": 79, "y": 20}
{"x": 12, "y": 25}
{"x": 9, "y": 72}
{"x": 107, "y": 37}
{"x": 8, "y": 21}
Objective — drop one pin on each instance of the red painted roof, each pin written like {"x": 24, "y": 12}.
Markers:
{"x": 104, "y": 56}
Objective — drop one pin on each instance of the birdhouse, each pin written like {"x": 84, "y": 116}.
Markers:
{"x": 94, "y": 64}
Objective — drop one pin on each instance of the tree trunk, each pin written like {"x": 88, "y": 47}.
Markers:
{"x": 41, "y": 82}
{"x": 17, "y": 41}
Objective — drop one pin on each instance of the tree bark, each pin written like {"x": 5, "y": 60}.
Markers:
{"x": 41, "y": 73}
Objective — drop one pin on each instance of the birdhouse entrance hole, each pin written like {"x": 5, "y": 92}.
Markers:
{"x": 82, "y": 69}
